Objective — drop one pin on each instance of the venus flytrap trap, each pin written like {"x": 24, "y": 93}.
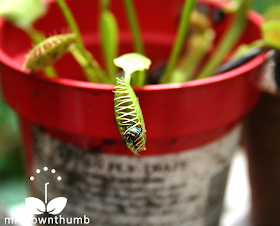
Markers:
{"x": 48, "y": 51}
{"x": 129, "y": 117}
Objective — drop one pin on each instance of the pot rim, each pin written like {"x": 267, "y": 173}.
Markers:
{"x": 252, "y": 16}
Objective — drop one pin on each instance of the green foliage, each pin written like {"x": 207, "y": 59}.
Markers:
{"x": 262, "y": 5}
{"x": 23, "y": 13}
{"x": 271, "y": 33}
{"x": 271, "y": 27}
{"x": 229, "y": 39}
{"x": 272, "y": 13}
{"x": 11, "y": 161}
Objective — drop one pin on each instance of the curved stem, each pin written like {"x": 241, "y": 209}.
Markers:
{"x": 181, "y": 34}
{"x": 71, "y": 21}
{"x": 127, "y": 77}
{"x": 90, "y": 67}
{"x": 228, "y": 40}
{"x": 109, "y": 34}
{"x": 35, "y": 35}
{"x": 199, "y": 45}
{"x": 137, "y": 39}
{"x": 133, "y": 22}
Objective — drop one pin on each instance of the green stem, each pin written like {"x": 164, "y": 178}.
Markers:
{"x": 50, "y": 72}
{"x": 246, "y": 48}
{"x": 180, "y": 38}
{"x": 199, "y": 45}
{"x": 137, "y": 39}
{"x": 228, "y": 40}
{"x": 71, "y": 22}
{"x": 133, "y": 22}
{"x": 35, "y": 35}
{"x": 91, "y": 66}
{"x": 127, "y": 77}
{"x": 109, "y": 32}
{"x": 104, "y": 4}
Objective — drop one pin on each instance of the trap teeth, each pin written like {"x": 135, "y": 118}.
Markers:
{"x": 130, "y": 122}
{"x": 48, "y": 51}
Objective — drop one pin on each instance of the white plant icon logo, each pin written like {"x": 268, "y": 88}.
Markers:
{"x": 55, "y": 206}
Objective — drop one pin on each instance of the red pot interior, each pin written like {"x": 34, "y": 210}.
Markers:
{"x": 177, "y": 116}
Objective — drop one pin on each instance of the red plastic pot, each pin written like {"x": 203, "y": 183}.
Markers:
{"x": 75, "y": 116}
